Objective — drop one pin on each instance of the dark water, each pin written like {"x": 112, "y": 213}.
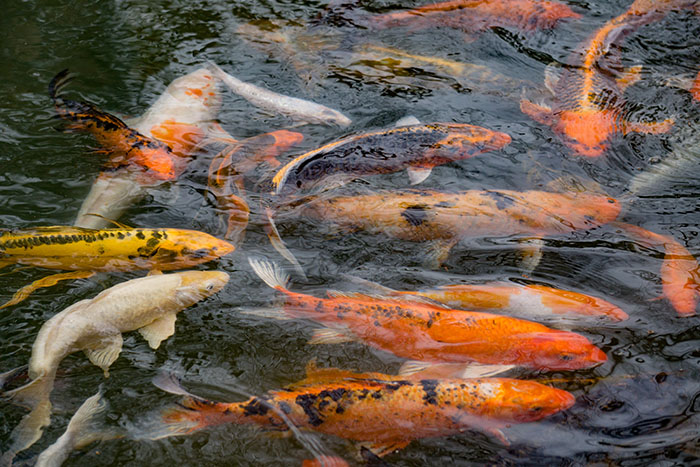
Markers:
{"x": 641, "y": 407}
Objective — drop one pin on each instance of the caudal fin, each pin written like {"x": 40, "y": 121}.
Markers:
{"x": 278, "y": 244}
{"x": 28, "y": 431}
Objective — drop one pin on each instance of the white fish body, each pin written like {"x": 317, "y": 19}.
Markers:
{"x": 298, "y": 109}
{"x": 149, "y": 304}
{"x": 191, "y": 100}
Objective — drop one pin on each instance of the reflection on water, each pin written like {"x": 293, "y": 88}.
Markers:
{"x": 640, "y": 406}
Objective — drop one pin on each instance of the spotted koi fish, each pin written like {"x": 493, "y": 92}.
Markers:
{"x": 680, "y": 272}
{"x": 445, "y": 218}
{"x": 530, "y": 301}
{"x": 86, "y": 251}
{"x": 182, "y": 120}
{"x": 477, "y": 15}
{"x": 382, "y": 413}
{"x": 426, "y": 332}
{"x": 127, "y": 146}
{"x": 415, "y": 147}
{"x": 588, "y": 107}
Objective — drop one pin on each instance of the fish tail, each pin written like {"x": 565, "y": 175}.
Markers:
{"x": 278, "y": 244}
{"x": 58, "y": 82}
{"x": 33, "y": 393}
{"x": 28, "y": 431}
{"x": 270, "y": 273}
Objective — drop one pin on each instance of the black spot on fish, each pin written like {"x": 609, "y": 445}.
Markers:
{"x": 339, "y": 409}
{"x": 120, "y": 235}
{"x": 306, "y": 402}
{"x": 152, "y": 243}
{"x": 140, "y": 235}
{"x": 255, "y": 407}
{"x": 502, "y": 201}
{"x": 444, "y": 204}
{"x": 429, "y": 386}
{"x": 394, "y": 385}
{"x": 335, "y": 394}
{"x": 415, "y": 215}
{"x": 101, "y": 250}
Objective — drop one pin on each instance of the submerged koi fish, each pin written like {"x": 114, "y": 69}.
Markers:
{"x": 82, "y": 430}
{"x": 680, "y": 272}
{"x": 298, "y": 109}
{"x": 426, "y": 332}
{"x": 445, "y": 218}
{"x": 227, "y": 169}
{"x": 414, "y": 147}
{"x": 477, "y": 15}
{"x": 532, "y": 301}
{"x": 382, "y": 413}
{"x": 87, "y": 251}
{"x": 149, "y": 304}
{"x": 181, "y": 119}
{"x": 588, "y": 108}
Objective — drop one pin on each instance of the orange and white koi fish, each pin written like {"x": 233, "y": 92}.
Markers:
{"x": 588, "y": 107}
{"x": 529, "y": 301}
{"x": 427, "y": 332}
{"x": 445, "y": 218}
{"x": 149, "y": 304}
{"x": 477, "y": 15}
{"x": 180, "y": 120}
{"x": 680, "y": 272}
{"x": 87, "y": 251}
{"x": 410, "y": 145}
{"x": 382, "y": 413}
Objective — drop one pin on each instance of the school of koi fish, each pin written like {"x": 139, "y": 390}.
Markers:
{"x": 473, "y": 353}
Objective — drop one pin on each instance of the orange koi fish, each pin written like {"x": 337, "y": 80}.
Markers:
{"x": 228, "y": 167}
{"x": 588, "y": 108}
{"x": 445, "y": 218}
{"x": 181, "y": 119}
{"x": 382, "y": 413}
{"x": 414, "y": 147}
{"x": 679, "y": 272}
{"x": 426, "y": 332}
{"x": 533, "y": 301}
{"x": 478, "y": 15}
{"x": 87, "y": 251}
{"x": 695, "y": 89}
{"x": 127, "y": 146}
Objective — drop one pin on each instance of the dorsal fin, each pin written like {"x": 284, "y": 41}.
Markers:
{"x": 118, "y": 224}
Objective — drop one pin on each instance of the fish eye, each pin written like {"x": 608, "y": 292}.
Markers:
{"x": 566, "y": 357}
{"x": 611, "y": 201}
{"x": 536, "y": 409}
{"x": 210, "y": 287}
{"x": 201, "y": 253}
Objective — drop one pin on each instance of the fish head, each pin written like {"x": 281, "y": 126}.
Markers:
{"x": 561, "y": 350}
{"x": 184, "y": 248}
{"x": 531, "y": 401}
{"x": 327, "y": 115}
{"x": 199, "y": 88}
{"x": 465, "y": 140}
{"x": 589, "y": 210}
{"x": 197, "y": 285}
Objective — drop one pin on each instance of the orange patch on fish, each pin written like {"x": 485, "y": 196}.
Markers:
{"x": 182, "y": 138}
{"x": 194, "y": 92}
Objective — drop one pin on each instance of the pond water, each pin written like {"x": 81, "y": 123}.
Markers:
{"x": 641, "y": 406}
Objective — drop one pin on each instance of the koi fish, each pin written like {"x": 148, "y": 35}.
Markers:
{"x": 445, "y": 218}
{"x": 87, "y": 251}
{"x": 298, "y": 109}
{"x": 382, "y": 413}
{"x": 149, "y": 304}
{"x": 679, "y": 271}
{"x": 588, "y": 108}
{"x": 82, "y": 430}
{"x": 413, "y": 146}
{"x": 678, "y": 167}
{"x": 430, "y": 333}
{"x": 532, "y": 301}
{"x": 181, "y": 119}
{"x": 227, "y": 169}
{"x": 473, "y": 16}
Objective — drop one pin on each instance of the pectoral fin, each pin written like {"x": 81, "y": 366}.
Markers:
{"x": 418, "y": 174}
{"x": 47, "y": 281}
{"x": 105, "y": 351}
{"x": 330, "y": 336}
{"x": 538, "y": 113}
{"x": 653, "y": 128}
{"x": 159, "y": 330}
{"x": 552, "y": 75}
{"x": 28, "y": 431}
{"x": 408, "y": 120}
{"x": 437, "y": 253}
{"x": 425, "y": 370}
